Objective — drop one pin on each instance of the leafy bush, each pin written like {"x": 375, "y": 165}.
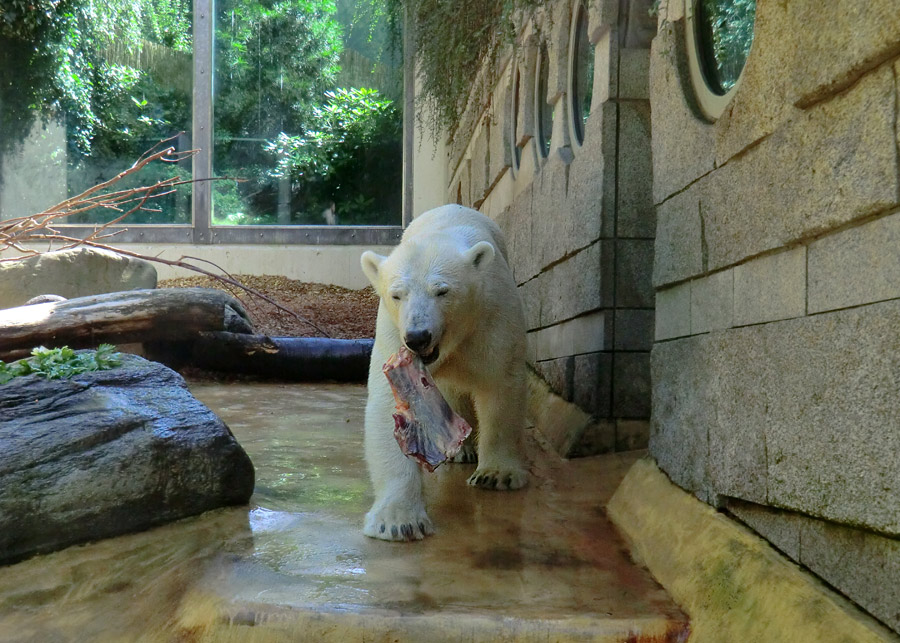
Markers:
{"x": 61, "y": 363}
{"x": 346, "y": 157}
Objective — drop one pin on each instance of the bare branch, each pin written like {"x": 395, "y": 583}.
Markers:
{"x": 38, "y": 227}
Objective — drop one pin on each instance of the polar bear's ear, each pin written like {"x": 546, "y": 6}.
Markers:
{"x": 371, "y": 265}
{"x": 480, "y": 255}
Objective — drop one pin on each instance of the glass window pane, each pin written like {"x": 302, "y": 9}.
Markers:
{"x": 307, "y": 115}
{"x": 725, "y": 34}
{"x": 545, "y": 109}
{"x": 85, "y": 89}
{"x": 583, "y": 77}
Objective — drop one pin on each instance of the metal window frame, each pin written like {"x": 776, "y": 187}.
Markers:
{"x": 201, "y": 231}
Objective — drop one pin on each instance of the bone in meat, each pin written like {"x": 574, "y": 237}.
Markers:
{"x": 425, "y": 426}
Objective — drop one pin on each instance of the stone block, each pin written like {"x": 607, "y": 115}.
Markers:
{"x": 770, "y": 288}
{"x": 835, "y": 165}
{"x": 634, "y": 273}
{"x": 856, "y": 266}
{"x": 522, "y": 236}
{"x": 634, "y": 74}
{"x": 553, "y": 231}
{"x": 632, "y": 434}
{"x": 738, "y": 373}
{"x": 606, "y": 69}
{"x": 78, "y": 272}
{"x": 480, "y": 164}
{"x": 862, "y": 565}
{"x": 673, "y": 312}
{"x": 683, "y": 410}
{"x": 831, "y": 435}
{"x": 464, "y": 183}
{"x": 592, "y": 383}
{"x": 531, "y": 294}
{"x": 581, "y": 283}
{"x": 712, "y": 302}
{"x": 499, "y": 146}
{"x": 592, "y": 177}
{"x": 683, "y": 143}
{"x": 680, "y": 238}
{"x": 596, "y": 438}
{"x": 634, "y": 330}
{"x": 585, "y": 334}
{"x": 781, "y": 528}
{"x": 799, "y": 414}
{"x": 559, "y": 374}
{"x": 635, "y": 214}
{"x": 631, "y": 385}
{"x": 792, "y": 64}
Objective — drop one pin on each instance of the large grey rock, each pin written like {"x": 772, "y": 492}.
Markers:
{"x": 109, "y": 452}
{"x": 78, "y": 272}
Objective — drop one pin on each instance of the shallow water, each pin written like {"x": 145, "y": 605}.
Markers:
{"x": 294, "y": 564}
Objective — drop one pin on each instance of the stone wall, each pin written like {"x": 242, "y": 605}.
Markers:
{"x": 776, "y": 362}
{"x": 580, "y": 221}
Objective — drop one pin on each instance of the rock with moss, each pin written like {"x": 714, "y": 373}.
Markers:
{"x": 108, "y": 452}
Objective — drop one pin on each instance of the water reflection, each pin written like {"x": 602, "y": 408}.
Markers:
{"x": 295, "y": 566}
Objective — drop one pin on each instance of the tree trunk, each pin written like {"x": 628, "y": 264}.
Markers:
{"x": 165, "y": 315}
{"x": 285, "y": 358}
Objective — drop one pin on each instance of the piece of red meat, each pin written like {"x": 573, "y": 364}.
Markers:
{"x": 425, "y": 426}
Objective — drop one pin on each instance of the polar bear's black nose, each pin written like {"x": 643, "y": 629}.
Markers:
{"x": 418, "y": 340}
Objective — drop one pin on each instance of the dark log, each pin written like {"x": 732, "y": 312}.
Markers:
{"x": 286, "y": 358}
{"x": 165, "y": 315}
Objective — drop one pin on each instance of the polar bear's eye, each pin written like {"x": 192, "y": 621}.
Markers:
{"x": 440, "y": 292}
{"x": 395, "y": 296}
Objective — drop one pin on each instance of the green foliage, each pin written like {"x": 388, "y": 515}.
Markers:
{"x": 729, "y": 28}
{"x": 61, "y": 363}
{"x": 274, "y": 60}
{"x": 454, "y": 40}
{"x": 52, "y": 61}
{"x": 345, "y": 157}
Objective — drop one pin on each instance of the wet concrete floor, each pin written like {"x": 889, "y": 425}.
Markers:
{"x": 540, "y": 564}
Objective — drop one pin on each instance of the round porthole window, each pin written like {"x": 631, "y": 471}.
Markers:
{"x": 581, "y": 73}
{"x": 719, "y": 36}
{"x": 515, "y": 129}
{"x": 542, "y": 108}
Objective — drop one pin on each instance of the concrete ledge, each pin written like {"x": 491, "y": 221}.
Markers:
{"x": 733, "y": 585}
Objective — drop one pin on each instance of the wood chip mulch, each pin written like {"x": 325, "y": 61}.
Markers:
{"x": 341, "y": 312}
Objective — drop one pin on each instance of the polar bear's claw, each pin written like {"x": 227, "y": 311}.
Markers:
{"x": 498, "y": 479}
{"x": 467, "y": 455}
{"x": 387, "y": 527}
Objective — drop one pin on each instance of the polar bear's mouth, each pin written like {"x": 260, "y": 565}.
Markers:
{"x": 430, "y": 356}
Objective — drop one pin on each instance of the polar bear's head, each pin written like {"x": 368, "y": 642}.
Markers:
{"x": 432, "y": 290}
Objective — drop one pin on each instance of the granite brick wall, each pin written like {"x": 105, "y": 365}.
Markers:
{"x": 776, "y": 360}
{"x": 580, "y": 223}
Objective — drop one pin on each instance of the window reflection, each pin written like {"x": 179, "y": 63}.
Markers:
{"x": 83, "y": 93}
{"x": 544, "y": 109}
{"x": 310, "y": 125}
{"x": 583, "y": 74}
{"x": 725, "y": 34}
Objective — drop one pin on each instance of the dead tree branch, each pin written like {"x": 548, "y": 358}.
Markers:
{"x": 15, "y": 233}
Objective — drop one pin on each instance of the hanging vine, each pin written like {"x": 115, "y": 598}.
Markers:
{"x": 455, "y": 40}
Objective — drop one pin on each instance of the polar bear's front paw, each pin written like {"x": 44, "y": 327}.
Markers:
{"x": 397, "y": 523}
{"x": 498, "y": 478}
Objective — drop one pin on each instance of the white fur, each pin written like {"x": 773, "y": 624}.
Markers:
{"x": 450, "y": 276}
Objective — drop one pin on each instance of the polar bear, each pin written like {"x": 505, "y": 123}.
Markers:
{"x": 447, "y": 293}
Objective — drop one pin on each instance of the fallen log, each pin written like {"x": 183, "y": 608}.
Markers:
{"x": 164, "y": 315}
{"x": 285, "y": 358}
